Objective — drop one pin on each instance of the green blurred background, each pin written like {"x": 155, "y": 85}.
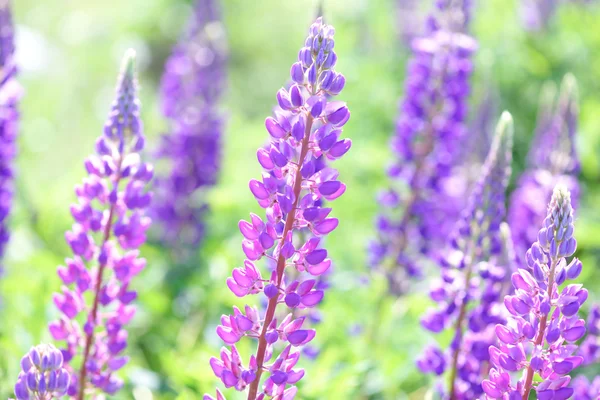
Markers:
{"x": 69, "y": 51}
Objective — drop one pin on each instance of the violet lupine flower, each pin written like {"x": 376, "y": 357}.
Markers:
{"x": 42, "y": 375}
{"x": 191, "y": 87}
{"x": 109, "y": 228}
{"x": 543, "y": 327}
{"x": 586, "y": 390}
{"x": 430, "y": 131}
{"x": 10, "y": 94}
{"x": 472, "y": 278}
{"x": 291, "y": 192}
{"x": 552, "y": 159}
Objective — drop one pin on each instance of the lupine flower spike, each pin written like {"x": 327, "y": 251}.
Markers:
{"x": 430, "y": 131}
{"x": 42, "y": 375}
{"x": 472, "y": 276}
{"x": 539, "y": 338}
{"x": 109, "y": 228}
{"x": 304, "y": 135}
{"x": 10, "y": 94}
{"x": 191, "y": 87}
{"x": 552, "y": 159}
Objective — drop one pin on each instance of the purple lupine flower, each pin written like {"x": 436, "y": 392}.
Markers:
{"x": 430, "y": 131}
{"x": 10, "y": 94}
{"x": 543, "y": 327}
{"x": 590, "y": 348}
{"x": 586, "y": 390}
{"x": 109, "y": 227}
{"x": 473, "y": 278}
{"x": 306, "y": 130}
{"x": 552, "y": 159}
{"x": 191, "y": 86}
{"x": 42, "y": 375}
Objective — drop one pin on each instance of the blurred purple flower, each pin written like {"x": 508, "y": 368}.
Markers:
{"x": 586, "y": 390}
{"x": 10, "y": 94}
{"x": 422, "y": 204}
{"x": 109, "y": 228}
{"x": 413, "y": 21}
{"x": 552, "y": 159}
{"x": 590, "y": 347}
{"x": 305, "y": 134}
{"x": 42, "y": 374}
{"x": 474, "y": 271}
{"x": 543, "y": 327}
{"x": 536, "y": 15}
{"x": 191, "y": 87}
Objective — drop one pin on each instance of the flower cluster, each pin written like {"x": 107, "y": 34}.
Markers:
{"x": 191, "y": 87}
{"x": 552, "y": 159}
{"x": 305, "y": 134}
{"x": 43, "y": 376}
{"x": 420, "y": 208}
{"x": 109, "y": 227}
{"x": 10, "y": 94}
{"x": 474, "y": 270}
{"x": 540, "y": 335}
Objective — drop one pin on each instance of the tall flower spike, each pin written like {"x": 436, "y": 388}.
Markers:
{"x": 10, "y": 94}
{"x": 110, "y": 225}
{"x": 42, "y": 375}
{"x": 191, "y": 87}
{"x": 553, "y": 158}
{"x": 473, "y": 275}
{"x": 305, "y": 137}
{"x": 539, "y": 338}
{"x": 430, "y": 131}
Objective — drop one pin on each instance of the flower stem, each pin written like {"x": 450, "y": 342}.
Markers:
{"x": 94, "y": 313}
{"x": 540, "y": 338}
{"x": 458, "y": 327}
{"x": 289, "y": 223}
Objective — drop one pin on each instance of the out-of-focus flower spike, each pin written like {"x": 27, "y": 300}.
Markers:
{"x": 418, "y": 209}
{"x": 192, "y": 84}
{"x": 584, "y": 389}
{"x": 473, "y": 277}
{"x": 10, "y": 95}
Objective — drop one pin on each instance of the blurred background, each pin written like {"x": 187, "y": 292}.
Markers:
{"x": 69, "y": 52}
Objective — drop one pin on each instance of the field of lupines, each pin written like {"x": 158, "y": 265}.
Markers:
{"x": 217, "y": 199}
